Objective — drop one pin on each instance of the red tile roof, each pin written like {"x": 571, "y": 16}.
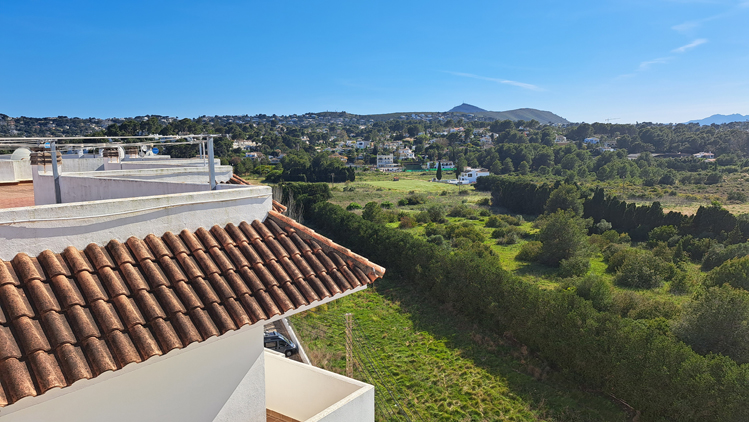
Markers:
{"x": 76, "y": 314}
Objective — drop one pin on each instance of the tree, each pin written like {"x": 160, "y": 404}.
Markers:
{"x": 439, "y": 171}
{"x": 717, "y": 321}
{"x": 563, "y": 236}
{"x": 373, "y": 212}
{"x": 523, "y": 168}
{"x": 460, "y": 165}
{"x": 507, "y": 166}
{"x": 565, "y": 197}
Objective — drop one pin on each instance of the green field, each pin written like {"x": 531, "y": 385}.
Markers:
{"x": 448, "y": 368}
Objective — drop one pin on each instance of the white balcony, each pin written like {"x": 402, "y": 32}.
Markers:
{"x": 295, "y": 392}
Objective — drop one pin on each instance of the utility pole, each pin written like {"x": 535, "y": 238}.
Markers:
{"x": 211, "y": 164}
{"x": 349, "y": 346}
{"x": 55, "y": 171}
{"x": 332, "y": 178}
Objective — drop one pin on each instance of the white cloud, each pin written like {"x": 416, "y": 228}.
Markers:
{"x": 647, "y": 64}
{"x": 691, "y": 45}
{"x": 497, "y": 80}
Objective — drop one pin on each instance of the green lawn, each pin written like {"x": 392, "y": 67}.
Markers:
{"x": 448, "y": 368}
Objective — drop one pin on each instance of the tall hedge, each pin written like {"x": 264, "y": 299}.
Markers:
{"x": 631, "y": 360}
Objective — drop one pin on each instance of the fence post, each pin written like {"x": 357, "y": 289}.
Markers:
{"x": 349, "y": 346}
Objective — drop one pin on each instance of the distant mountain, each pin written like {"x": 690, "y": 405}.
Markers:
{"x": 544, "y": 117}
{"x": 466, "y": 108}
{"x": 719, "y": 119}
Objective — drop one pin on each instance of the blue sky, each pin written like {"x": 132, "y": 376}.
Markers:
{"x": 635, "y": 60}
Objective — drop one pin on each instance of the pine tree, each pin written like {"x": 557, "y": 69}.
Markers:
{"x": 439, "y": 171}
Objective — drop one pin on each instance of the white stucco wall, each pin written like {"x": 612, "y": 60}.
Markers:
{"x": 306, "y": 393}
{"x": 195, "y": 384}
{"x": 78, "y": 224}
{"x": 14, "y": 171}
{"x": 73, "y": 164}
{"x": 94, "y": 186}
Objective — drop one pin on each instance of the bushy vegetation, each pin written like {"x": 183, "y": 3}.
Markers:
{"x": 640, "y": 363}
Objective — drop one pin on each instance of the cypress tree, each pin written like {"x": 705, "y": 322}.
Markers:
{"x": 439, "y": 171}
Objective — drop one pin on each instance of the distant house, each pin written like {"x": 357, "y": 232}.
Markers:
{"x": 446, "y": 165}
{"x": 340, "y": 157}
{"x": 469, "y": 175}
{"x": 254, "y": 155}
{"x": 591, "y": 141}
{"x": 385, "y": 163}
{"x": 706, "y": 155}
{"x": 560, "y": 139}
{"x": 363, "y": 144}
{"x": 406, "y": 154}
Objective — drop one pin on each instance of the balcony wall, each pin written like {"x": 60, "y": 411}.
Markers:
{"x": 307, "y": 394}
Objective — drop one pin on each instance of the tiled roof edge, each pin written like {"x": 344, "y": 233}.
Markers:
{"x": 372, "y": 270}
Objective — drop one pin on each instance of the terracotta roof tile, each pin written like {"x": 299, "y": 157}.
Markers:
{"x": 120, "y": 253}
{"x": 123, "y": 349}
{"x": 169, "y": 301}
{"x": 203, "y": 323}
{"x": 254, "y": 310}
{"x": 187, "y": 295}
{"x": 98, "y": 257}
{"x": 191, "y": 241}
{"x": 151, "y": 271}
{"x": 235, "y": 233}
{"x": 73, "y": 363}
{"x": 46, "y": 371}
{"x": 42, "y": 297}
{"x": 14, "y": 302}
{"x": 144, "y": 341}
{"x": 165, "y": 335}
{"x": 98, "y": 355}
{"x": 76, "y": 260}
{"x": 222, "y": 236}
{"x": 158, "y": 247}
{"x": 67, "y": 291}
{"x": 16, "y": 380}
{"x": 139, "y": 249}
{"x": 186, "y": 330}
{"x": 149, "y": 305}
{"x": 8, "y": 346}
{"x": 72, "y": 316}
{"x": 237, "y": 284}
{"x": 6, "y": 276}
{"x": 316, "y": 284}
{"x": 330, "y": 284}
{"x": 90, "y": 287}
{"x": 82, "y": 323}
{"x": 206, "y": 238}
{"x": 171, "y": 269}
{"x": 57, "y": 329}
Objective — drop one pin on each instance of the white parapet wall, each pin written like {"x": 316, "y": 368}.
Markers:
{"x": 14, "y": 171}
{"x": 308, "y": 394}
{"x": 204, "y": 382}
{"x": 81, "y": 223}
{"x": 98, "y": 185}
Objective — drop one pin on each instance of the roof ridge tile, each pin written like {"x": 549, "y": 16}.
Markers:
{"x": 6, "y": 275}
{"x": 76, "y": 260}
{"x": 25, "y": 268}
{"x": 120, "y": 253}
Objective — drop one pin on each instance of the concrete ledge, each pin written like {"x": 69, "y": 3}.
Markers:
{"x": 78, "y": 224}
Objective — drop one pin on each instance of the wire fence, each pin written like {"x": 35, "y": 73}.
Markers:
{"x": 391, "y": 404}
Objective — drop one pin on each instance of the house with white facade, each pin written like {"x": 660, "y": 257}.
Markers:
{"x": 591, "y": 140}
{"x": 406, "y": 154}
{"x": 137, "y": 290}
{"x": 706, "y": 155}
{"x": 560, "y": 139}
{"x": 363, "y": 144}
{"x": 469, "y": 175}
